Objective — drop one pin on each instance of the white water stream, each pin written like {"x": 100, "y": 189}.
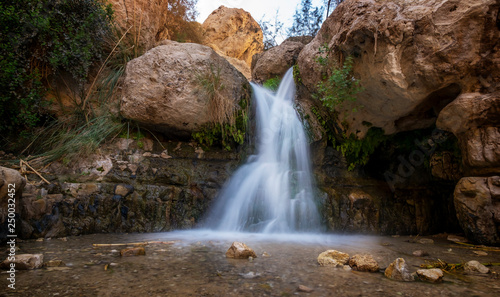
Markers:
{"x": 273, "y": 191}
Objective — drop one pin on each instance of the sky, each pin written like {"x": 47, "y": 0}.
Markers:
{"x": 257, "y": 8}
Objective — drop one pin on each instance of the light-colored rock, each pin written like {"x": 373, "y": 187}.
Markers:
{"x": 434, "y": 275}
{"x": 305, "y": 289}
{"x": 333, "y": 258}
{"x": 234, "y": 32}
{"x": 478, "y": 212}
{"x": 420, "y": 253}
{"x": 163, "y": 88}
{"x": 364, "y": 263}
{"x": 123, "y": 190}
{"x": 25, "y": 261}
{"x": 146, "y": 17}
{"x": 411, "y": 57}
{"x": 474, "y": 118}
{"x": 426, "y": 241}
{"x": 135, "y": 251}
{"x": 472, "y": 267}
{"x": 398, "y": 270}
{"x": 275, "y": 61}
{"x": 239, "y": 250}
{"x": 470, "y": 111}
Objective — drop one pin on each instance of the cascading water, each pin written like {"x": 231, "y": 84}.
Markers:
{"x": 273, "y": 191}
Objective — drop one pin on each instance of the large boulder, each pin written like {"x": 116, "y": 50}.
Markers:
{"x": 411, "y": 57}
{"x": 146, "y": 18}
{"x": 167, "y": 88}
{"x": 475, "y": 119}
{"x": 478, "y": 211}
{"x": 233, "y": 32}
{"x": 275, "y": 61}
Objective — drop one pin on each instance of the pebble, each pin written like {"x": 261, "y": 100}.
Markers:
{"x": 434, "y": 275}
{"x": 426, "y": 241}
{"x": 398, "y": 270}
{"x": 480, "y": 253}
{"x": 250, "y": 275}
{"x": 136, "y": 251}
{"x": 420, "y": 253}
{"x": 474, "y": 266}
{"x": 305, "y": 289}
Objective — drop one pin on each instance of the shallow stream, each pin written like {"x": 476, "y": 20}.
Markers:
{"x": 193, "y": 263}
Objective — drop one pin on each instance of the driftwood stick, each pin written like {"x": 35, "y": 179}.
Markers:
{"x": 36, "y": 172}
{"x": 132, "y": 243}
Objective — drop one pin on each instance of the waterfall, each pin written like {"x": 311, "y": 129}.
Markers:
{"x": 273, "y": 191}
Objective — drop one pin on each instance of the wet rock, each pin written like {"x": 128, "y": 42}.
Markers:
{"x": 135, "y": 251}
{"x": 420, "y": 253}
{"x": 11, "y": 182}
{"x": 250, "y": 275}
{"x": 473, "y": 267}
{"x": 363, "y": 263}
{"x": 398, "y": 270}
{"x": 426, "y": 241}
{"x": 54, "y": 263}
{"x": 123, "y": 190}
{"x": 275, "y": 61}
{"x": 239, "y": 250}
{"x": 305, "y": 289}
{"x": 480, "y": 253}
{"x": 333, "y": 258}
{"x": 25, "y": 261}
{"x": 477, "y": 211}
{"x": 456, "y": 238}
{"x": 434, "y": 275}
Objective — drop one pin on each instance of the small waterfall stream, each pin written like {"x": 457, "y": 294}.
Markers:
{"x": 273, "y": 191}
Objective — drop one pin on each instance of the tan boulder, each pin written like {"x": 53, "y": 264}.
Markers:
{"x": 411, "y": 57}
{"x": 474, "y": 118}
{"x": 164, "y": 89}
{"x": 434, "y": 275}
{"x": 474, "y": 267}
{"x": 363, "y": 263}
{"x": 333, "y": 258}
{"x": 398, "y": 270}
{"x": 478, "y": 212}
{"x": 239, "y": 250}
{"x": 234, "y": 32}
{"x": 146, "y": 18}
{"x": 275, "y": 61}
{"x": 11, "y": 182}
{"x": 24, "y": 262}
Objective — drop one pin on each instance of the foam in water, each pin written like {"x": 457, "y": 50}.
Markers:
{"x": 273, "y": 191}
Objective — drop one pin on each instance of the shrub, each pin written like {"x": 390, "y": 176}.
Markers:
{"x": 39, "y": 38}
{"x": 272, "y": 84}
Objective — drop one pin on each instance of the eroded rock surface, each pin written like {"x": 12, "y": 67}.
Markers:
{"x": 234, "y": 32}
{"x": 166, "y": 89}
{"x": 412, "y": 58}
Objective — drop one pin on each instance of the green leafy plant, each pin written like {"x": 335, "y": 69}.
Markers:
{"x": 39, "y": 38}
{"x": 228, "y": 124}
{"x": 272, "y": 84}
{"x": 296, "y": 74}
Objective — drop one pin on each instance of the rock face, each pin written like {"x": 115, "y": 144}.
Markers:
{"x": 363, "y": 263}
{"x": 164, "y": 89}
{"x": 239, "y": 250}
{"x": 95, "y": 195}
{"x": 478, "y": 211}
{"x": 233, "y": 32}
{"x": 474, "y": 118}
{"x": 146, "y": 17}
{"x": 333, "y": 258}
{"x": 398, "y": 270}
{"x": 412, "y": 58}
{"x": 275, "y": 61}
